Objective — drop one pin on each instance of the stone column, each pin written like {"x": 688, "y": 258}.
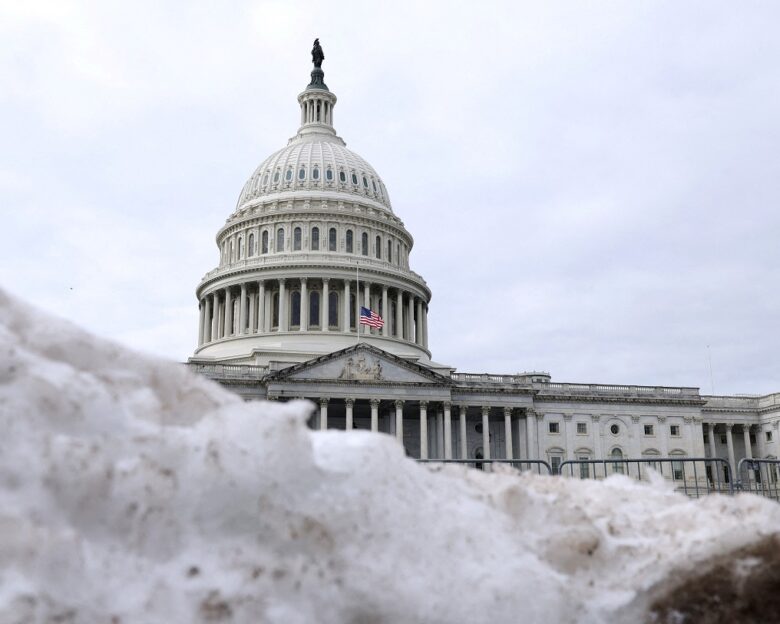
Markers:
{"x": 346, "y": 307}
{"x": 385, "y": 313}
{"x": 418, "y": 333}
{"x": 410, "y": 320}
{"x": 207, "y": 318}
{"x": 530, "y": 432}
{"x": 447, "y": 430}
{"x": 366, "y": 304}
{"x": 399, "y": 421}
{"x": 349, "y": 404}
{"x": 304, "y": 305}
{"x": 423, "y": 429}
{"x": 425, "y": 326}
{"x": 252, "y": 314}
{"x": 202, "y": 309}
{"x": 399, "y": 315}
{"x": 711, "y": 441}
{"x": 325, "y": 305}
{"x": 732, "y": 460}
{"x": 228, "y": 313}
{"x": 282, "y": 306}
{"x": 374, "y": 415}
{"x": 323, "y": 413}
{"x": 464, "y": 444}
{"x": 262, "y": 325}
{"x": 746, "y": 438}
{"x": 215, "y": 317}
{"x": 486, "y": 432}
{"x": 242, "y": 311}
{"x": 508, "y": 431}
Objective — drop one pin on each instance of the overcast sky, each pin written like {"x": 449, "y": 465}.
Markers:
{"x": 593, "y": 187}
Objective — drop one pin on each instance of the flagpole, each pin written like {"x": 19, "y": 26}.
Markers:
{"x": 357, "y": 301}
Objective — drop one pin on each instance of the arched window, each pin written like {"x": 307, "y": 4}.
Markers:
{"x": 264, "y": 242}
{"x": 295, "y": 309}
{"x": 315, "y": 173}
{"x": 275, "y": 310}
{"x": 315, "y": 239}
{"x": 352, "y": 304}
{"x": 276, "y": 176}
{"x": 232, "y": 252}
{"x": 378, "y": 247}
{"x": 301, "y": 173}
{"x": 332, "y": 239}
{"x": 365, "y": 182}
{"x": 288, "y": 175}
{"x": 314, "y": 308}
{"x": 373, "y": 183}
{"x": 618, "y": 467}
{"x": 297, "y": 239}
{"x": 342, "y": 176}
{"x": 389, "y": 251}
{"x": 251, "y": 250}
{"x": 364, "y": 244}
{"x": 329, "y": 174}
{"x": 240, "y": 248}
{"x": 280, "y": 239}
{"x": 354, "y": 179}
{"x": 333, "y": 309}
{"x": 350, "y": 242}
{"x": 265, "y": 179}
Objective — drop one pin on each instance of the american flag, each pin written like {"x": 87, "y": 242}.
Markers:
{"x": 370, "y": 318}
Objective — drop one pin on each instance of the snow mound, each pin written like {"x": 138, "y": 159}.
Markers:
{"x": 134, "y": 491}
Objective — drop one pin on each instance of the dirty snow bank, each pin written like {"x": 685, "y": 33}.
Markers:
{"x": 134, "y": 491}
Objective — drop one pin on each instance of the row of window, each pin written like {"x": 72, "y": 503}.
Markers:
{"x": 614, "y": 429}
{"x": 390, "y": 250}
{"x": 315, "y": 173}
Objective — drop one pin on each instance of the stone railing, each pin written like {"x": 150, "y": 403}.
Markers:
{"x": 731, "y": 402}
{"x": 229, "y": 371}
{"x": 490, "y": 379}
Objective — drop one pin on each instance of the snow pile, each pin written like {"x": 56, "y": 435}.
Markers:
{"x": 133, "y": 491}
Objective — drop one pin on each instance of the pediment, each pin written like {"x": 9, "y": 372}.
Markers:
{"x": 361, "y": 363}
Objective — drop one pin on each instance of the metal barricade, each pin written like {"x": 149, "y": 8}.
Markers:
{"x": 693, "y": 476}
{"x": 760, "y": 476}
{"x": 522, "y": 465}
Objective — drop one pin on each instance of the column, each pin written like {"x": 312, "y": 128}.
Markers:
{"x": 366, "y": 295}
{"x": 399, "y": 315}
{"x": 485, "y": 432}
{"x": 228, "y": 313}
{"x": 423, "y": 429}
{"x": 374, "y": 415}
{"x": 346, "y": 307}
{"x": 323, "y": 413}
{"x": 304, "y": 305}
{"x": 262, "y": 317}
{"x": 202, "y": 308}
{"x": 350, "y": 403}
{"x": 464, "y": 445}
{"x": 252, "y": 314}
{"x": 711, "y": 441}
{"x": 399, "y": 421}
{"x": 242, "y": 311}
{"x": 530, "y": 431}
{"x": 325, "y": 305}
{"x": 207, "y": 326}
{"x": 439, "y": 433}
{"x": 425, "y": 326}
{"x": 215, "y": 317}
{"x": 418, "y": 334}
{"x": 508, "y": 431}
{"x": 385, "y": 313}
{"x": 447, "y": 430}
{"x": 282, "y": 306}
{"x": 730, "y": 444}
{"x": 746, "y": 437}
{"x": 410, "y": 320}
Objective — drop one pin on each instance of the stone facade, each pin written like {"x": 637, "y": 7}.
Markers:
{"x": 314, "y": 238}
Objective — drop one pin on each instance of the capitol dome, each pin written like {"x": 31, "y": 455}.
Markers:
{"x": 312, "y": 240}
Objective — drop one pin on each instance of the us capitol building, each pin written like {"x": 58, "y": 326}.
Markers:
{"x": 314, "y": 238}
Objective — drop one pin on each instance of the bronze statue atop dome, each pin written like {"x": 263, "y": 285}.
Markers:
{"x": 317, "y": 55}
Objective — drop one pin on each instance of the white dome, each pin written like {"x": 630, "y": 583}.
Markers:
{"x": 315, "y": 162}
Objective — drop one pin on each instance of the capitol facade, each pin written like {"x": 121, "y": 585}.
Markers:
{"x": 314, "y": 238}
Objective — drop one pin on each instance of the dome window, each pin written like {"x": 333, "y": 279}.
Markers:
{"x": 297, "y": 239}
{"x": 301, "y": 173}
{"x": 342, "y": 176}
{"x": 373, "y": 183}
{"x": 378, "y": 247}
{"x": 350, "y": 243}
{"x": 332, "y": 239}
{"x": 315, "y": 173}
{"x": 264, "y": 242}
{"x": 364, "y": 244}
{"x": 329, "y": 175}
{"x": 365, "y": 182}
{"x": 315, "y": 239}
{"x": 276, "y": 176}
{"x": 354, "y": 179}
{"x": 288, "y": 175}
{"x": 265, "y": 178}
{"x": 280, "y": 240}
